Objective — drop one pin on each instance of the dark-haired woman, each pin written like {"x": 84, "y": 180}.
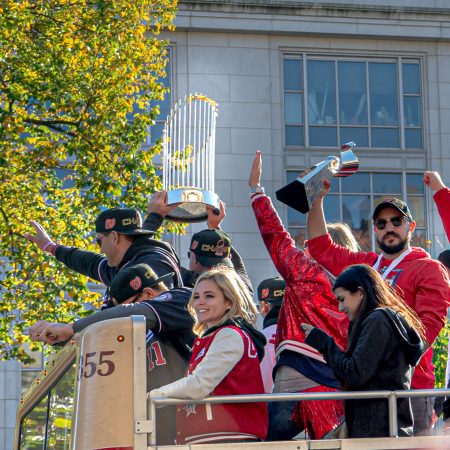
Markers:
{"x": 385, "y": 343}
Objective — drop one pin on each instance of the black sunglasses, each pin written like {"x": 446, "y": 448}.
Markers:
{"x": 381, "y": 223}
{"x": 100, "y": 239}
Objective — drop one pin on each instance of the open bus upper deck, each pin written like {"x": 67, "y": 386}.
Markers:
{"x": 92, "y": 396}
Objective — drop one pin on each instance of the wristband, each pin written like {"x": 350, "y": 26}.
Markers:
{"x": 46, "y": 246}
{"x": 258, "y": 189}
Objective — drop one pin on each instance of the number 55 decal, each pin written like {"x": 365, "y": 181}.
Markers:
{"x": 90, "y": 366}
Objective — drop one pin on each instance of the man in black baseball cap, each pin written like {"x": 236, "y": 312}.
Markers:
{"x": 270, "y": 298}
{"x": 209, "y": 248}
{"x": 137, "y": 290}
{"x": 123, "y": 242}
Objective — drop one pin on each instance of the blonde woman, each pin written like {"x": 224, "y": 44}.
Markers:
{"x": 225, "y": 361}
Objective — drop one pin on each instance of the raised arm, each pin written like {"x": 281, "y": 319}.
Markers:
{"x": 157, "y": 210}
{"x": 441, "y": 197}
{"x": 315, "y": 222}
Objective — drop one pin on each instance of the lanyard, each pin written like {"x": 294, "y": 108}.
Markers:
{"x": 393, "y": 264}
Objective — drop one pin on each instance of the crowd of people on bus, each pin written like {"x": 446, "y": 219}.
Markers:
{"x": 336, "y": 319}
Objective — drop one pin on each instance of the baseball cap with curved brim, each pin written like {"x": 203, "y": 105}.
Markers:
{"x": 131, "y": 281}
{"x": 122, "y": 220}
{"x": 212, "y": 248}
{"x": 395, "y": 203}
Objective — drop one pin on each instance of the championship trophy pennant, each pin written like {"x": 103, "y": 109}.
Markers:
{"x": 189, "y": 141}
{"x": 301, "y": 193}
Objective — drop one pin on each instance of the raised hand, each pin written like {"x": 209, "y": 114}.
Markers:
{"x": 158, "y": 204}
{"x": 214, "y": 219}
{"x": 433, "y": 181}
{"x": 41, "y": 238}
{"x": 255, "y": 173}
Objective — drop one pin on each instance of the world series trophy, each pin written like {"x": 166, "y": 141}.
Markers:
{"x": 301, "y": 193}
{"x": 189, "y": 141}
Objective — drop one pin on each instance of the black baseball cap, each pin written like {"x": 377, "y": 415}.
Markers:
{"x": 212, "y": 247}
{"x": 122, "y": 220}
{"x": 396, "y": 203}
{"x": 132, "y": 281}
{"x": 271, "y": 291}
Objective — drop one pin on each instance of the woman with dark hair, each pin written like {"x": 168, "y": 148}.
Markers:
{"x": 384, "y": 344}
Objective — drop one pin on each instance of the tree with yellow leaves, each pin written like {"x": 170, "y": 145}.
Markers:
{"x": 77, "y": 80}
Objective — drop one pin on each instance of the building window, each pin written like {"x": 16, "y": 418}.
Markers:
{"x": 156, "y": 131}
{"x": 351, "y": 200}
{"x": 330, "y": 101}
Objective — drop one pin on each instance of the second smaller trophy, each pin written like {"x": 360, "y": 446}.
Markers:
{"x": 301, "y": 193}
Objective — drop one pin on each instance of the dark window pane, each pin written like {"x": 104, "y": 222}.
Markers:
{"x": 387, "y": 183}
{"x": 359, "y": 182}
{"x": 419, "y": 239}
{"x": 356, "y": 210}
{"x": 412, "y": 111}
{"x": 321, "y": 92}
{"x": 321, "y": 136}
{"x": 383, "y": 93}
{"x": 293, "y": 108}
{"x": 358, "y": 135}
{"x": 357, "y": 214}
{"x": 292, "y": 73}
{"x": 414, "y": 183}
{"x": 411, "y": 78}
{"x": 295, "y": 218}
{"x": 413, "y": 138}
{"x": 417, "y": 208}
{"x": 331, "y": 208}
{"x": 352, "y": 93}
{"x": 294, "y": 135}
{"x": 385, "y": 137}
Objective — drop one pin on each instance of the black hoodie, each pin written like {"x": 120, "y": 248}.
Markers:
{"x": 381, "y": 357}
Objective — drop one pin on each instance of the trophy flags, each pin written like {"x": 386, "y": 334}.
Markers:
{"x": 189, "y": 141}
{"x": 301, "y": 193}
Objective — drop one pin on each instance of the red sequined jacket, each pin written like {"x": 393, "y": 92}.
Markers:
{"x": 308, "y": 297}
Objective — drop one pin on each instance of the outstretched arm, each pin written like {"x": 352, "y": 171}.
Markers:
{"x": 157, "y": 210}
{"x": 315, "y": 222}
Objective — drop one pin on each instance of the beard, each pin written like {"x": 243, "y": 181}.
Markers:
{"x": 393, "y": 249}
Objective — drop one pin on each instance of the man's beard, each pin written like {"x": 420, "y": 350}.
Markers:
{"x": 393, "y": 249}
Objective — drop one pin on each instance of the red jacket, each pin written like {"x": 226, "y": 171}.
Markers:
{"x": 308, "y": 297}
{"x": 442, "y": 200}
{"x": 421, "y": 281}
{"x": 209, "y": 423}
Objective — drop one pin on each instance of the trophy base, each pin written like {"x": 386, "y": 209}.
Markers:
{"x": 192, "y": 204}
{"x": 294, "y": 195}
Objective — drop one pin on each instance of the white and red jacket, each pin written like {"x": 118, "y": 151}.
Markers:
{"x": 442, "y": 200}
{"x": 422, "y": 282}
{"x": 224, "y": 362}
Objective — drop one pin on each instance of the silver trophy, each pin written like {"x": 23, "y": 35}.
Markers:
{"x": 301, "y": 193}
{"x": 189, "y": 141}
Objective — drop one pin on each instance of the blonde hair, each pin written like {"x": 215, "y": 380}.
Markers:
{"x": 234, "y": 290}
{"x": 342, "y": 235}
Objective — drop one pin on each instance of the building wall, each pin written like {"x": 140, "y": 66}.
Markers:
{"x": 233, "y": 52}
{"x": 9, "y": 399}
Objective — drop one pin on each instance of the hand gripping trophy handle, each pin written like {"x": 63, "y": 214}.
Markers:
{"x": 301, "y": 193}
{"x": 188, "y": 158}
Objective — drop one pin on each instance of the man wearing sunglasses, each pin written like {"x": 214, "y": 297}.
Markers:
{"x": 122, "y": 241}
{"x": 422, "y": 282}
{"x": 138, "y": 290}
